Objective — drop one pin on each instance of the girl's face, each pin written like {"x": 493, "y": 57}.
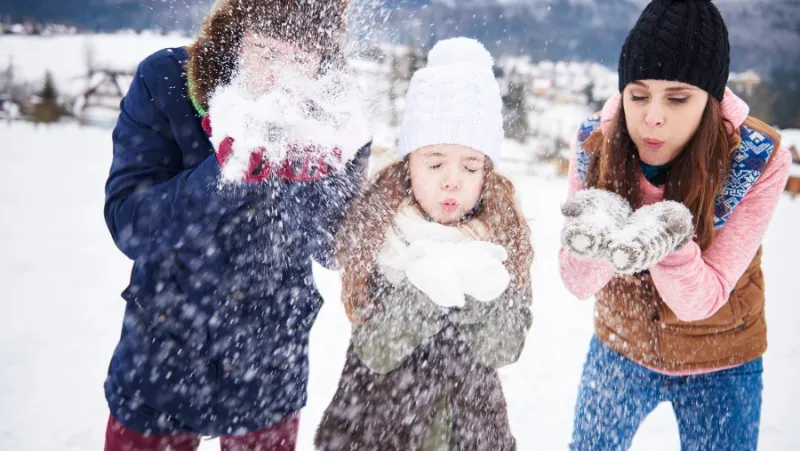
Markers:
{"x": 263, "y": 59}
{"x": 662, "y": 117}
{"x": 447, "y": 180}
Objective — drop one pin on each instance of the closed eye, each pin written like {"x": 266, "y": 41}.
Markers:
{"x": 679, "y": 99}
{"x": 635, "y": 98}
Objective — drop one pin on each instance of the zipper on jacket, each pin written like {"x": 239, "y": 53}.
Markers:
{"x": 655, "y": 321}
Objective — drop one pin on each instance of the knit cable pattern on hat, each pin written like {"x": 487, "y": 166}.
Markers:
{"x": 678, "y": 40}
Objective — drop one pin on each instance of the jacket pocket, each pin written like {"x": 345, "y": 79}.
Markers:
{"x": 170, "y": 315}
{"x": 724, "y": 320}
{"x": 744, "y": 302}
{"x": 748, "y": 296}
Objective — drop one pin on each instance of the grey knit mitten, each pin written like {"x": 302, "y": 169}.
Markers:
{"x": 591, "y": 215}
{"x": 650, "y": 234}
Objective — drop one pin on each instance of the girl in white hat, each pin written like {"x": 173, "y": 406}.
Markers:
{"x": 436, "y": 261}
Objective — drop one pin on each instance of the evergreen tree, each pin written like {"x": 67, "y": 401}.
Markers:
{"x": 593, "y": 103}
{"x": 515, "y": 113}
{"x": 416, "y": 60}
{"x": 761, "y": 100}
{"x": 47, "y": 109}
{"x": 785, "y": 85}
{"x": 395, "y": 75}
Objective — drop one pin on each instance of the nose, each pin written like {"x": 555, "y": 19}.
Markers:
{"x": 654, "y": 116}
{"x": 451, "y": 182}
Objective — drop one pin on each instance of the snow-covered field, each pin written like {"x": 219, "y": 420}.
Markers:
{"x": 66, "y": 55}
{"x": 61, "y": 279}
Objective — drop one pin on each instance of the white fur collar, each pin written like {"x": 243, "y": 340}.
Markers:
{"x": 446, "y": 263}
{"x": 413, "y": 226}
{"x": 410, "y": 226}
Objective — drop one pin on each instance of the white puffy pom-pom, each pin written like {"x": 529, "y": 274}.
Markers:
{"x": 459, "y": 51}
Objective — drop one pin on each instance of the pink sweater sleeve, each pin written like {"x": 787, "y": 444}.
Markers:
{"x": 695, "y": 285}
{"x": 583, "y": 278}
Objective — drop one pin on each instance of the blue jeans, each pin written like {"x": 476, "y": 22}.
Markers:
{"x": 715, "y": 411}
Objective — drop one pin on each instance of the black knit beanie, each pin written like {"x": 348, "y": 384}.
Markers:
{"x": 678, "y": 40}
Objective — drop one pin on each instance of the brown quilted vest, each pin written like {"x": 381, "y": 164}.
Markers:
{"x": 633, "y": 320}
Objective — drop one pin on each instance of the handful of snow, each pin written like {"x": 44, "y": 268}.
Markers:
{"x": 591, "y": 216}
{"x": 601, "y": 224}
{"x": 446, "y": 272}
{"x": 323, "y": 120}
{"x": 650, "y": 234}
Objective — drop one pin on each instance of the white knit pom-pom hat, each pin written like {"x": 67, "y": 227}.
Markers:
{"x": 454, "y": 100}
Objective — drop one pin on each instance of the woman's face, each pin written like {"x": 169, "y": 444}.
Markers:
{"x": 662, "y": 117}
{"x": 447, "y": 180}
{"x": 264, "y": 58}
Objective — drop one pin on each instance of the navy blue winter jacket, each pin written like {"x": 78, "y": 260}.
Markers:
{"x": 221, "y": 298}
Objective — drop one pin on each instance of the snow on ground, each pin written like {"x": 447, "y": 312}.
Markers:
{"x": 66, "y": 55}
{"x": 790, "y": 137}
{"x": 62, "y": 275}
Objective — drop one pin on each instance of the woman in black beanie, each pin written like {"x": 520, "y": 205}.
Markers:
{"x": 672, "y": 188}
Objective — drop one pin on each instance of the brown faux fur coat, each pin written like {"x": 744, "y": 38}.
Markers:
{"x": 445, "y": 394}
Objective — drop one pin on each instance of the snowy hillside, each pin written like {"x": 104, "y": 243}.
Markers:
{"x": 556, "y": 89}
{"x": 67, "y": 58}
{"x": 791, "y": 137}
{"x": 593, "y": 29}
{"x": 62, "y": 276}
{"x": 554, "y": 29}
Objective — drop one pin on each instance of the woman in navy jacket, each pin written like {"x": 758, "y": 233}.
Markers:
{"x": 221, "y": 298}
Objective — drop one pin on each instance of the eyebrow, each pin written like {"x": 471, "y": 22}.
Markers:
{"x": 672, "y": 89}
{"x": 435, "y": 154}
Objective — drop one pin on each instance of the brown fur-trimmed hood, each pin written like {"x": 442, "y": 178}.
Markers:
{"x": 315, "y": 26}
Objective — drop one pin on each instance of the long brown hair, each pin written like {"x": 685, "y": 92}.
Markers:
{"x": 363, "y": 233}
{"x": 315, "y": 26}
{"x": 696, "y": 175}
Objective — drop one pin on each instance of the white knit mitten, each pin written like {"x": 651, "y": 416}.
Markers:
{"x": 447, "y": 272}
{"x": 483, "y": 274}
{"x": 591, "y": 215}
{"x": 434, "y": 270}
{"x": 651, "y": 233}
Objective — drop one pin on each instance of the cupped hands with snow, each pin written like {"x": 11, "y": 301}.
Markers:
{"x": 650, "y": 234}
{"x": 301, "y": 129}
{"x": 591, "y": 216}
{"x": 601, "y": 224}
